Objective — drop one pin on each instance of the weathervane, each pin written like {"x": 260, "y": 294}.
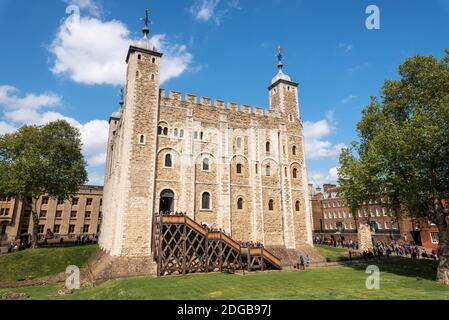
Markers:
{"x": 146, "y": 20}
{"x": 280, "y": 57}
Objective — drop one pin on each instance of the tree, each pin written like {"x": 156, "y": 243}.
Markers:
{"x": 41, "y": 160}
{"x": 403, "y": 152}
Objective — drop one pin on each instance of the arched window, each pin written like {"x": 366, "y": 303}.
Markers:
{"x": 295, "y": 173}
{"x": 294, "y": 150}
{"x": 175, "y": 132}
{"x": 139, "y": 57}
{"x": 205, "y": 201}
{"x": 297, "y": 205}
{"x": 137, "y": 74}
{"x": 168, "y": 160}
{"x": 195, "y": 135}
{"x": 159, "y": 130}
{"x": 257, "y": 169}
{"x": 153, "y": 60}
{"x": 239, "y": 143}
{"x": 271, "y": 205}
{"x": 267, "y": 147}
{"x": 239, "y": 168}
{"x": 201, "y": 135}
{"x": 152, "y": 76}
{"x": 268, "y": 171}
{"x": 165, "y": 131}
{"x": 240, "y": 204}
{"x": 142, "y": 139}
{"x": 206, "y": 164}
{"x": 181, "y": 133}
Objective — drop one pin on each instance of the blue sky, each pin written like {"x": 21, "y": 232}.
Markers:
{"x": 218, "y": 48}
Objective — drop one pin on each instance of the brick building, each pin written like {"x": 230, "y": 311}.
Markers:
{"x": 333, "y": 218}
{"x": 65, "y": 218}
{"x": 236, "y": 168}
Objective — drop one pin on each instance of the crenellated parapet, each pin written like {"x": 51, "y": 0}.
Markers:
{"x": 192, "y": 101}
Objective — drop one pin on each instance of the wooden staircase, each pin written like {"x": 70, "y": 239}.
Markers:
{"x": 182, "y": 246}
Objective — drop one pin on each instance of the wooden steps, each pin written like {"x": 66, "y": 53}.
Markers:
{"x": 182, "y": 246}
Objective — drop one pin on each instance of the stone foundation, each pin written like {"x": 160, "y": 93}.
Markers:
{"x": 103, "y": 267}
{"x": 290, "y": 257}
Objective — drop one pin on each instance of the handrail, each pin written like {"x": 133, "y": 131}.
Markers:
{"x": 232, "y": 242}
{"x": 219, "y": 235}
{"x": 275, "y": 260}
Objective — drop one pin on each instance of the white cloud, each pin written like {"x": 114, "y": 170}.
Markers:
{"x": 319, "y": 178}
{"x": 18, "y": 111}
{"x": 204, "y": 10}
{"x": 315, "y": 143}
{"x": 8, "y": 97}
{"x": 348, "y": 99}
{"x": 345, "y": 47}
{"x": 95, "y": 179}
{"x": 93, "y": 52}
{"x": 6, "y": 128}
{"x": 208, "y": 11}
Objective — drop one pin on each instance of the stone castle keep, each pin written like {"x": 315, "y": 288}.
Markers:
{"x": 233, "y": 168}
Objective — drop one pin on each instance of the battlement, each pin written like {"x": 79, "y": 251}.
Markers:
{"x": 217, "y": 104}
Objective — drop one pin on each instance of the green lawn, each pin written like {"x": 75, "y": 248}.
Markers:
{"x": 39, "y": 263}
{"x": 404, "y": 279}
{"x": 336, "y": 254}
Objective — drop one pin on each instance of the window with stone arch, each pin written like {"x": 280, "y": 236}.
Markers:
{"x": 205, "y": 201}
{"x": 142, "y": 139}
{"x": 239, "y": 168}
{"x": 162, "y": 129}
{"x": 181, "y": 133}
{"x": 175, "y": 132}
{"x": 268, "y": 170}
{"x": 239, "y": 143}
{"x": 267, "y": 147}
{"x": 206, "y": 164}
{"x": 271, "y": 205}
{"x": 297, "y": 206}
{"x": 240, "y": 204}
{"x": 168, "y": 161}
{"x": 294, "y": 150}
{"x": 295, "y": 173}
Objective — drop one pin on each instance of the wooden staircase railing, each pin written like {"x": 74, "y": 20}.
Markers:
{"x": 181, "y": 245}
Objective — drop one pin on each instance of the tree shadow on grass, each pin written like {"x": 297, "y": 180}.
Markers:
{"x": 419, "y": 269}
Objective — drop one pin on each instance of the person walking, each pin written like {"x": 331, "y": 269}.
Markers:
{"x": 301, "y": 263}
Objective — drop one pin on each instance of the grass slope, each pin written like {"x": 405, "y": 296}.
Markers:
{"x": 39, "y": 263}
{"x": 335, "y": 254}
{"x": 399, "y": 280}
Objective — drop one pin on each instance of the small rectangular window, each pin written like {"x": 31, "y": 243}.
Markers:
{"x": 435, "y": 237}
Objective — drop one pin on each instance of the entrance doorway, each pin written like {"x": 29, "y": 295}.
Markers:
{"x": 416, "y": 237}
{"x": 167, "y": 202}
{"x": 3, "y": 230}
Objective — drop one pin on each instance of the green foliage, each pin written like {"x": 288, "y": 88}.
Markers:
{"x": 403, "y": 151}
{"x": 39, "y": 160}
{"x": 40, "y": 263}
